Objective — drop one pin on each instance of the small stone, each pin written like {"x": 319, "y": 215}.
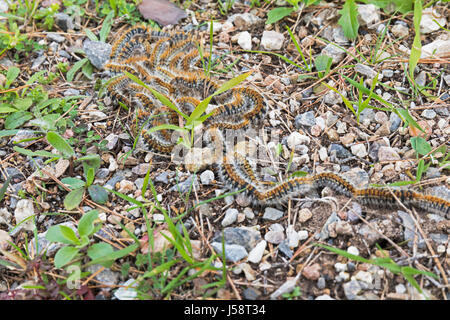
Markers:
{"x": 245, "y": 40}
{"x": 400, "y": 288}
{"x": 351, "y": 289}
{"x": 400, "y": 31}
{"x": 272, "y": 214}
{"x": 431, "y": 21}
{"x": 207, "y": 177}
{"x": 162, "y": 177}
{"x": 244, "y": 21}
{"x": 340, "y": 267}
{"x": 230, "y": 217}
{"x": 52, "y": 36}
{"x": 312, "y": 272}
{"x": 381, "y": 117}
{"x": 141, "y": 169}
{"x": 364, "y": 276}
{"x": 429, "y": 114}
{"x": 387, "y": 73}
{"x": 4, "y": 238}
{"x": 383, "y": 130}
{"x": 421, "y": 78}
{"x": 410, "y": 230}
{"x": 217, "y": 26}
{"x": 335, "y": 53}
{"x": 37, "y": 62}
{"x": 303, "y": 235}
{"x": 233, "y": 252}
{"x": 306, "y": 119}
{"x": 158, "y": 218}
{"x": 97, "y": 52}
{"x": 359, "y": 150}
{"x": 353, "y": 250}
{"x": 272, "y": 40}
{"x": 251, "y": 294}
{"x": 395, "y": 122}
{"x": 249, "y": 213}
{"x": 304, "y": 215}
{"x": 296, "y": 138}
{"x": 275, "y": 237}
{"x": 321, "y": 283}
{"x": 24, "y": 209}
{"x": 257, "y": 252}
{"x": 112, "y": 141}
{"x": 387, "y": 154}
{"x": 436, "y": 48}
{"x": 126, "y": 186}
{"x": 64, "y": 21}
{"x": 365, "y": 70}
{"x": 292, "y": 237}
{"x": 106, "y": 277}
{"x": 368, "y": 15}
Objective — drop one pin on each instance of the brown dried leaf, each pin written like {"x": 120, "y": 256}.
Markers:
{"x": 162, "y": 11}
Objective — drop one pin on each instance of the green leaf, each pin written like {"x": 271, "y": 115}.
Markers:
{"x": 11, "y": 75}
{"x": 7, "y": 108}
{"x": 77, "y": 66}
{"x": 115, "y": 255}
{"x": 277, "y": 14}
{"x": 65, "y": 255}
{"x": 38, "y": 153}
{"x": 90, "y": 175}
{"x": 4, "y": 187}
{"x": 73, "y": 183}
{"x": 98, "y": 194}
{"x": 73, "y": 199}
{"x": 88, "y": 70}
{"x": 62, "y": 234}
{"x": 90, "y": 34}
{"x": 409, "y": 119}
{"x": 416, "y": 49}
{"x": 86, "y": 224}
{"x": 101, "y": 250}
{"x": 106, "y": 26}
{"x": 17, "y": 119}
{"x": 23, "y": 104}
{"x": 90, "y": 161}
{"x": 164, "y": 100}
{"x": 60, "y": 144}
{"x": 200, "y": 109}
{"x": 349, "y": 19}
{"x": 323, "y": 64}
{"x": 421, "y": 145}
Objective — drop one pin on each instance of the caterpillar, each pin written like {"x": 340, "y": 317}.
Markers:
{"x": 169, "y": 62}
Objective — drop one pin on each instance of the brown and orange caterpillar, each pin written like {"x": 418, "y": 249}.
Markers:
{"x": 168, "y": 62}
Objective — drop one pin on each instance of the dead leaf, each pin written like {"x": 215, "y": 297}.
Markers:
{"x": 162, "y": 11}
{"x": 160, "y": 243}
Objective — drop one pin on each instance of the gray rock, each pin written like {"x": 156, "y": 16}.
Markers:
{"x": 272, "y": 214}
{"x": 429, "y": 114}
{"x": 421, "y": 78}
{"x": 233, "y": 252}
{"x": 207, "y": 177}
{"x": 256, "y": 254}
{"x": 55, "y": 37}
{"x": 184, "y": 186}
{"x": 399, "y": 30}
{"x": 395, "y": 122}
{"x": 410, "y": 230}
{"x": 365, "y": 70}
{"x": 64, "y": 21}
{"x": 244, "y": 237}
{"x": 368, "y": 15}
{"x": 439, "y": 238}
{"x": 230, "y": 217}
{"x": 162, "y": 177}
{"x": 387, "y": 73}
{"x": 275, "y": 237}
{"x": 352, "y": 289}
{"x": 251, "y": 294}
{"x": 102, "y": 173}
{"x": 284, "y": 248}
{"x": 321, "y": 283}
{"x": 324, "y": 233}
{"x": 71, "y": 92}
{"x": 38, "y": 61}
{"x": 111, "y": 183}
{"x": 428, "y": 24}
{"x": 112, "y": 141}
{"x": 335, "y": 53}
{"x": 106, "y": 276}
{"x": 339, "y": 151}
{"x": 306, "y": 119}
{"x": 272, "y": 40}
{"x": 244, "y": 21}
{"x": 14, "y": 173}
{"x": 387, "y": 154}
{"x": 97, "y": 52}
